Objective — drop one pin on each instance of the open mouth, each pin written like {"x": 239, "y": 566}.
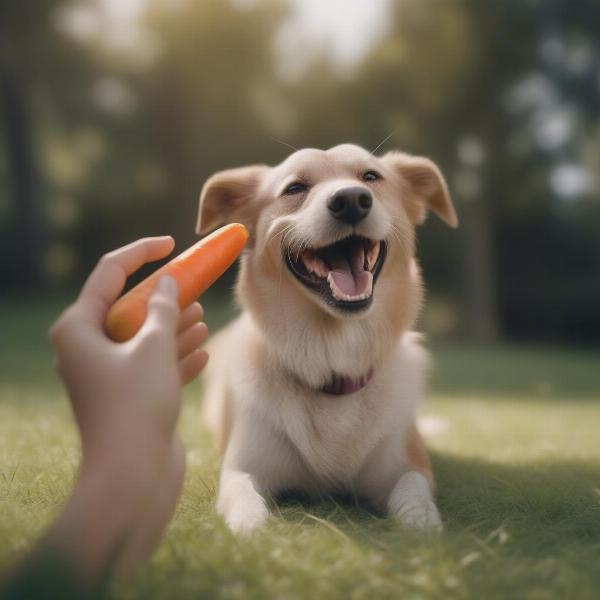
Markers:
{"x": 344, "y": 273}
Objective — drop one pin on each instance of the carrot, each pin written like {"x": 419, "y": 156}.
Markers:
{"x": 195, "y": 270}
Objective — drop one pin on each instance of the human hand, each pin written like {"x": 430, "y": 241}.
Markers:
{"x": 126, "y": 397}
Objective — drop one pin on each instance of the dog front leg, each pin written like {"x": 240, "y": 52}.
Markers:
{"x": 411, "y": 502}
{"x": 397, "y": 479}
{"x": 239, "y": 502}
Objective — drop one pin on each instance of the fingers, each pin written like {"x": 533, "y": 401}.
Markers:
{"x": 68, "y": 330}
{"x": 192, "y": 314}
{"x": 163, "y": 308}
{"x": 191, "y": 365}
{"x": 190, "y": 339}
{"x": 108, "y": 278}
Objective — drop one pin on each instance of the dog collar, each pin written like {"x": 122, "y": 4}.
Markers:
{"x": 340, "y": 386}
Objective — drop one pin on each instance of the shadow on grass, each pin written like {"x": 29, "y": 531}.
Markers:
{"x": 548, "y": 506}
{"x": 558, "y": 502}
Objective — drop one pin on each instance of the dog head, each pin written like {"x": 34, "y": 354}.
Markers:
{"x": 332, "y": 230}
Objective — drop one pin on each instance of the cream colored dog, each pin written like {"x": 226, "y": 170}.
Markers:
{"x": 314, "y": 387}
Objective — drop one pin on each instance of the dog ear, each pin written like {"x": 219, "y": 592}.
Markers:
{"x": 426, "y": 185}
{"x": 229, "y": 196}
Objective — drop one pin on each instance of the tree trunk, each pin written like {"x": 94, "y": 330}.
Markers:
{"x": 29, "y": 230}
{"x": 480, "y": 306}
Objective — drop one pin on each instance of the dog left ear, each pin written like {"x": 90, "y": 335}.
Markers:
{"x": 426, "y": 187}
{"x": 229, "y": 196}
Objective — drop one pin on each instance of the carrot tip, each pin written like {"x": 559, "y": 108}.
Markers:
{"x": 194, "y": 270}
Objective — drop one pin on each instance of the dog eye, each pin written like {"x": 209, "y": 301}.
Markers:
{"x": 295, "y": 188}
{"x": 371, "y": 176}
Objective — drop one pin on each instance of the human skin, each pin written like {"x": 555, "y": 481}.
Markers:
{"x": 126, "y": 400}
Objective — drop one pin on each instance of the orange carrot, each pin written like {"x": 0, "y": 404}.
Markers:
{"x": 195, "y": 270}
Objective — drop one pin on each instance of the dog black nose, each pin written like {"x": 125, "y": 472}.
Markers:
{"x": 350, "y": 204}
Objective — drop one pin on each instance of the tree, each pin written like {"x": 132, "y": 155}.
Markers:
{"x": 18, "y": 126}
{"x": 42, "y": 76}
{"x": 206, "y": 96}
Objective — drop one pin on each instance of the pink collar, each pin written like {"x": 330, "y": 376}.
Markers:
{"x": 340, "y": 386}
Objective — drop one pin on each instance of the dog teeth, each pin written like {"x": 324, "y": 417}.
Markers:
{"x": 360, "y": 257}
{"x": 372, "y": 255}
{"x": 314, "y": 264}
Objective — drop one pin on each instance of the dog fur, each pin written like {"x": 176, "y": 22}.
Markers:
{"x": 277, "y": 430}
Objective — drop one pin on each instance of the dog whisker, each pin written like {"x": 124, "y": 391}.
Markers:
{"x": 285, "y": 144}
{"x": 285, "y": 228}
{"x": 283, "y": 232}
{"x": 383, "y": 141}
{"x": 280, "y": 232}
{"x": 280, "y": 303}
{"x": 288, "y": 232}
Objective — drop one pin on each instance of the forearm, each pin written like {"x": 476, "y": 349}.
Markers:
{"x": 95, "y": 523}
{"x": 75, "y": 557}
{"x": 151, "y": 522}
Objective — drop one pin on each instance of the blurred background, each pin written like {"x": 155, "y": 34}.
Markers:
{"x": 112, "y": 115}
{"x": 114, "y": 112}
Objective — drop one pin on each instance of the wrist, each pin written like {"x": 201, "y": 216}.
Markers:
{"x": 126, "y": 463}
{"x": 94, "y": 525}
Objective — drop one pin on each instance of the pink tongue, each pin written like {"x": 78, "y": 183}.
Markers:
{"x": 350, "y": 283}
{"x": 349, "y": 275}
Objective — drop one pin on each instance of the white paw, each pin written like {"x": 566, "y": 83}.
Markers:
{"x": 411, "y": 503}
{"x": 240, "y": 504}
{"x": 244, "y": 519}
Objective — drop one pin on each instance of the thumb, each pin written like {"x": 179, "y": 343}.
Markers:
{"x": 163, "y": 306}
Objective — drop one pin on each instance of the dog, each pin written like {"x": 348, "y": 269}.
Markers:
{"x": 314, "y": 387}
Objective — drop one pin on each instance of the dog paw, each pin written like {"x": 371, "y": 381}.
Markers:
{"x": 242, "y": 507}
{"x": 245, "y": 519}
{"x": 422, "y": 515}
{"x": 412, "y": 504}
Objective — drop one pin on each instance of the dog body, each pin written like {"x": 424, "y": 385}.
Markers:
{"x": 315, "y": 386}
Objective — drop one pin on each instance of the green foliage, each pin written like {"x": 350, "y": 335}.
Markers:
{"x": 124, "y": 141}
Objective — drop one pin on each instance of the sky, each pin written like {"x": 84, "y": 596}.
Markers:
{"x": 345, "y": 29}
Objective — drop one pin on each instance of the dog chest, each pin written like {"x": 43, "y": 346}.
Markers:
{"x": 333, "y": 435}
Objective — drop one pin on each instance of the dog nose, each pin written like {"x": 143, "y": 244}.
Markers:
{"x": 350, "y": 204}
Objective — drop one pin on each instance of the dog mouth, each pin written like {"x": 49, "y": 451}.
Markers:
{"x": 344, "y": 273}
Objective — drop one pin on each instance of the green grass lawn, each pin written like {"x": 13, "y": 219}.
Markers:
{"x": 514, "y": 435}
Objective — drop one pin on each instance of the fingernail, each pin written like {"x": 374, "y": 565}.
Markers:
{"x": 167, "y": 285}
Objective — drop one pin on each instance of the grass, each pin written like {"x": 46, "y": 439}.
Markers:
{"x": 514, "y": 438}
